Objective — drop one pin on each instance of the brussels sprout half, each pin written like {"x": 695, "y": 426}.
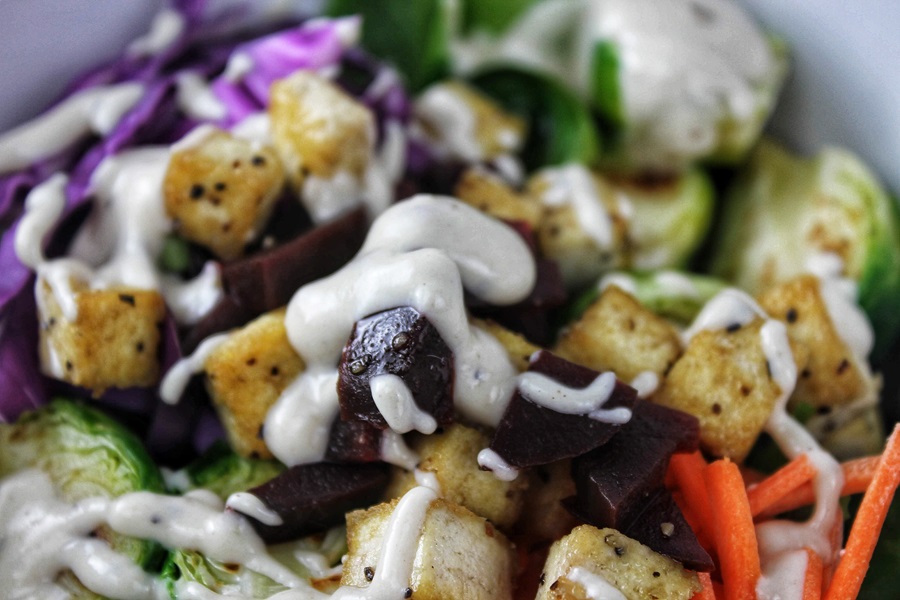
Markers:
{"x": 223, "y": 472}
{"x": 784, "y": 211}
{"x": 86, "y": 454}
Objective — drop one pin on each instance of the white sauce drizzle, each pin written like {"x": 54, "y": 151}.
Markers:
{"x": 189, "y": 301}
{"x": 646, "y": 383}
{"x": 419, "y": 253}
{"x": 549, "y": 393}
{"x": 43, "y": 207}
{"x": 166, "y": 27}
{"x": 574, "y": 184}
{"x": 451, "y": 121}
{"x": 783, "y": 576}
{"x": 399, "y": 547}
{"x": 676, "y": 284}
{"x": 176, "y": 378}
{"x": 197, "y": 100}
{"x": 56, "y": 536}
{"x": 427, "y": 479}
{"x": 94, "y": 110}
{"x": 623, "y": 281}
{"x": 252, "y": 506}
{"x": 398, "y": 407}
{"x": 595, "y": 586}
{"x": 493, "y": 462}
{"x": 395, "y": 451}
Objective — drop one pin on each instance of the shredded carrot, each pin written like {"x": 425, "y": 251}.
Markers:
{"x": 812, "y": 584}
{"x": 706, "y": 592}
{"x": 686, "y": 470}
{"x": 858, "y": 474}
{"x": 734, "y": 531}
{"x": 866, "y": 527}
{"x": 780, "y": 483}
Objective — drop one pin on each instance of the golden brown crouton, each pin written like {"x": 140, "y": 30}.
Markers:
{"x": 452, "y": 456}
{"x": 490, "y": 194}
{"x": 221, "y": 190}
{"x": 319, "y": 129}
{"x": 544, "y": 518}
{"x": 584, "y": 226}
{"x": 833, "y": 375}
{"x": 467, "y": 123}
{"x": 723, "y": 379}
{"x": 113, "y": 341}
{"x": 618, "y": 561}
{"x": 246, "y": 375}
{"x": 518, "y": 348}
{"x": 458, "y": 554}
{"x": 617, "y": 333}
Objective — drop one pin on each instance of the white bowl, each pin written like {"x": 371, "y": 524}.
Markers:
{"x": 844, "y": 89}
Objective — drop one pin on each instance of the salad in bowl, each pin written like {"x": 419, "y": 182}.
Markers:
{"x": 442, "y": 300}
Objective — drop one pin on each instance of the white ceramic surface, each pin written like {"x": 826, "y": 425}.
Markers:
{"x": 845, "y": 87}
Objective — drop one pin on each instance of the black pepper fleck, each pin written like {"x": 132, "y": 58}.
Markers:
{"x": 791, "y": 315}
{"x": 407, "y": 593}
{"x": 843, "y": 366}
{"x": 733, "y": 327}
{"x": 197, "y": 191}
{"x": 369, "y": 573}
{"x": 127, "y": 299}
{"x": 220, "y": 186}
{"x": 258, "y": 161}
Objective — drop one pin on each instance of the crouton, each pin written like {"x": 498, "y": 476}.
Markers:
{"x": 617, "y": 333}
{"x": 113, "y": 342}
{"x": 589, "y": 554}
{"x": 490, "y": 194}
{"x": 518, "y": 348}
{"x": 723, "y": 379}
{"x": 467, "y": 124}
{"x": 452, "y": 456}
{"x": 220, "y": 190}
{"x": 458, "y": 554}
{"x": 318, "y": 129}
{"x": 246, "y": 375}
{"x": 833, "y": 375}
{"x": 584, "y": 226}
{"x": 544, "y": 518}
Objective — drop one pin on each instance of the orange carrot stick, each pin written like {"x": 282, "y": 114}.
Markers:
{"x": 687, "y": 471}
{"x": 866, "y": 527}
{"x": 812, "y": 584}
{"x": 780, "y": 483}
{"x": 734, "y": 532}
{"x": 858, "y": 474}
{"x": 706, "y": 592}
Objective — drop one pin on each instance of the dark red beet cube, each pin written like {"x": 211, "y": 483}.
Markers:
{"x": 621, "y": 484}
{"x": 530, "y": 434}
{"x": 354, "y": 442}
{"x": 400, "y": 342}
{"x": 314, "y": 497}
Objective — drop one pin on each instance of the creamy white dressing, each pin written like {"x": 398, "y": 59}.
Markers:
{"x": 595, "y": 586}
{"x": 394, "y": 451}
{"x": 57, "y": 536}
{"x": 43, "y": 207}
{"x": 676, "y": 284}
{"x": 451, "y": 122}
{"x": 189, "y": 301}
{"x": 95, "y": 110}
{"x": 396, "y": 404}
{"x": 165, "y": 29}
{"x": 239, "y": 66}
{"x": 427, "y": 479}
{"x": 493, "y": 462}
{"x": 196, "y": 98}
{"x": 252, "y": 506}
{"x": 623, "y": 281}
{"x": 552, "y": 394}
{"x": 574, "y": 185}
{"x": 646, "y": 383}
{"x": 399, "y": 547}
{"x": 176, "y": 379}
{"x": 784, "y": 576}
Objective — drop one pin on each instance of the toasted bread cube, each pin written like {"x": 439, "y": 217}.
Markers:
{"x": 833, "y": 375}
{"x": 466, "y": 123}
{"x": 452, "y": 457}
{"x": 458, "y": 554}
{"x": 246, "y": 375}
{"x": 617, "y": 333}
{"x": 113, "y": 341}
{"x": 518, "y": 348}
{"x": 221, "y": 190}
{"x": 544, "y": 517}
{"x": 584, "y": 226}
{"x": 319, "y": 129}
{"x": 490, "y": 194}
{"x": 722, "y": 379}
{"x": 621, "y": 562}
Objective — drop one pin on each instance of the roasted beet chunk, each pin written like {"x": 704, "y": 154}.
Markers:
{"x": 353, "y": 441}
{"x": 312, "y": 498}
{"x": 530, "y": 434}
{"x": 621, "y": 484}
{"x": 268, "y": 279}
{"x": 401, "y": 343}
